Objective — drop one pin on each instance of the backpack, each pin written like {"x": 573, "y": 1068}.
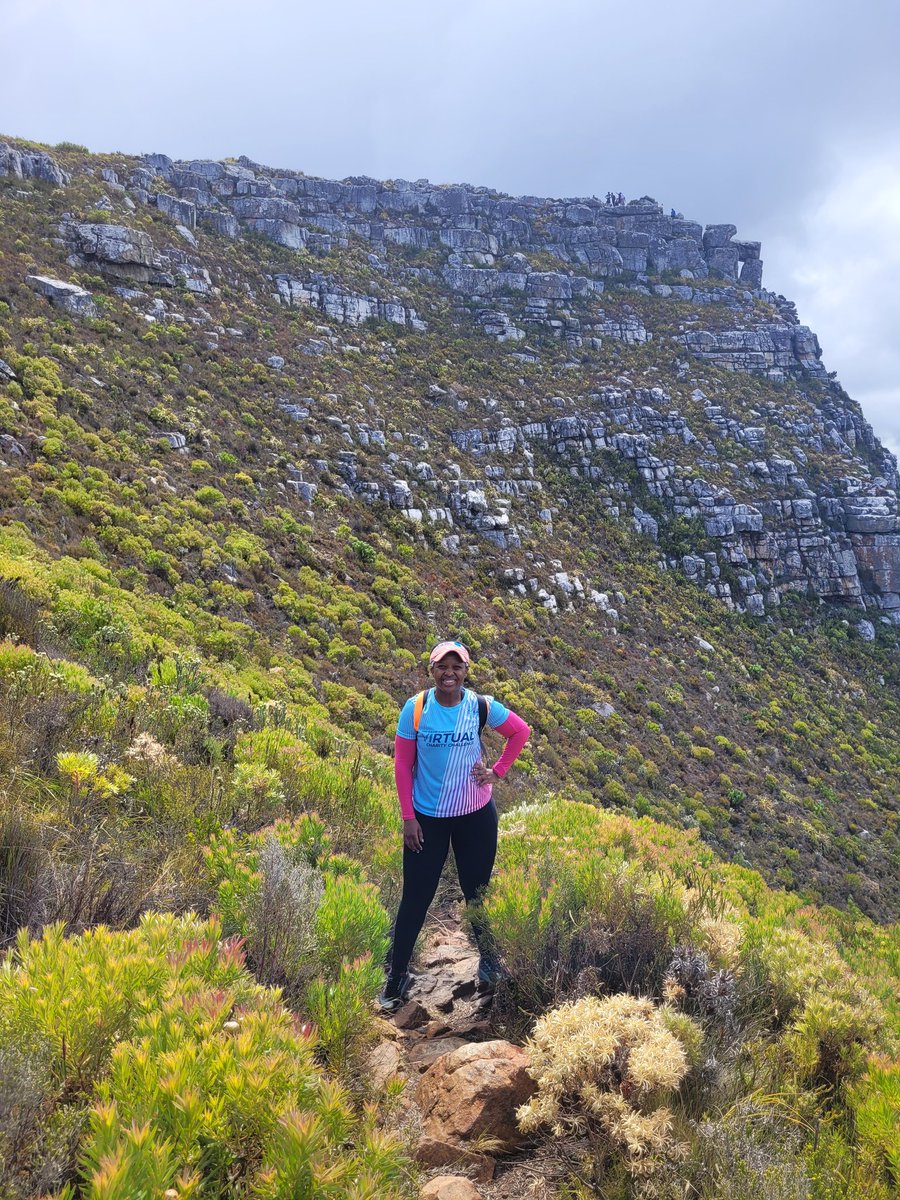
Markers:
{"x": 420, "y": 704}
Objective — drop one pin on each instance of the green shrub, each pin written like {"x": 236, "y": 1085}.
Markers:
{"x": 350, "y": 922}
{"x": 576, "y": 903}
{"x": 198, "y": 1079}
{"x": 257, "y": 794}
{"x": 341, "y": 1008}
{"x": 875, "y": 1101}
{"x": 209, "y": 497}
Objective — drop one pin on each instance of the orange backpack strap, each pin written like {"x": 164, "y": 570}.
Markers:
{"x": 417, "y": 710}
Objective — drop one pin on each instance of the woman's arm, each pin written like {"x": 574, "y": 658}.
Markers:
{"x": 517, "y": 733}
{"x": 404, "y": 761}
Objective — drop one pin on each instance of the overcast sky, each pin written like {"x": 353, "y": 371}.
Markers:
{"x": 781, "y": 116}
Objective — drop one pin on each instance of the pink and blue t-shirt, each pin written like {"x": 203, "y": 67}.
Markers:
{"x": 446, "y": 749}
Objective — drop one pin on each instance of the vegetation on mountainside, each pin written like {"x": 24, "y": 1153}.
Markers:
{"x": 199, "y": 677}
{"x": 747, "y": 1016}
{"x": 776, "y": 744}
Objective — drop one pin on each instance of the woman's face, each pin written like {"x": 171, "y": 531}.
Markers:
{"x": 449, "y": 674}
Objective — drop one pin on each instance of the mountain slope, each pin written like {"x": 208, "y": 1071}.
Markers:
{"x": 430, "y": 410}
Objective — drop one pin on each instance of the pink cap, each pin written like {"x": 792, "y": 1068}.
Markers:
{"x": 443, "y": 648}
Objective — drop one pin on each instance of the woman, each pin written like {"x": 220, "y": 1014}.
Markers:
{"x": 445, "y": 799}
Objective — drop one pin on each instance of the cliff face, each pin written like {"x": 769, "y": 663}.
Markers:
{"x": 791, "y": 492}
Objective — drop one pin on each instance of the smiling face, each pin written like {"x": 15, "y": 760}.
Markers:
{"x": 449, "y": 674}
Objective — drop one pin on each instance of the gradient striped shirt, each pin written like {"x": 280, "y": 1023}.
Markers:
{"x": 447, "y": 748}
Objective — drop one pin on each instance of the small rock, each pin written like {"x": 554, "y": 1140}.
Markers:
{"x": 411, "y": 1016}
{"x": 435, "y": 1029}
{"x": 435, "y": 1152}
{"x": 67, "y": 296}
{"x": 422, "y": 1055}
{"x": 10, "y": 445}
{"x": 382, "y": 1063}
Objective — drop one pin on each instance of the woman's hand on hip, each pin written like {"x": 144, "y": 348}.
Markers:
{"x": 413, "y": 838}
{"x": 483, "y": 775}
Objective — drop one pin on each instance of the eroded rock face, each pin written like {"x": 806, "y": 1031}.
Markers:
{"x": 477, "y": 225}
{"x": 36, "y": 164}
{"x": 772, "y": 350}
{"x": 342, "y": 305}
{"x": 476, "y": 1090}
{"x": 114, "y": 250}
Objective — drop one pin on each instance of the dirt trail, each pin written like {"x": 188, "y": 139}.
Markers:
{"x": 447, "y": 1009}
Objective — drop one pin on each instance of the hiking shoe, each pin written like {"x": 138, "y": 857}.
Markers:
{"x": 491, "y": 971}
{"x": 394, "y": 993}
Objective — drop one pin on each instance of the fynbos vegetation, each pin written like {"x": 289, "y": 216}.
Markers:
{"x": 255, "y": 457}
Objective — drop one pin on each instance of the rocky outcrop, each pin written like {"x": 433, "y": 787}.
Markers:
{"x": 114, "y": 250}
{"x": 763, "y": 519}
{"x": 486, "y": 241}
{"x": 473, "y": 226}
{"x": 841, "y": 541}
{"x": 68, "y": 296}
{"x": 772, "y": 350}
{"x": 31, "y": 164}
{"x": 342, "y": 305}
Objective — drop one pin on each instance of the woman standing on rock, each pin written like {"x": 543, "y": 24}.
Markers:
{"x": 445, "y": 793}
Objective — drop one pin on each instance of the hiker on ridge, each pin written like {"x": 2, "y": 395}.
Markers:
{"x": 445, "y": 796}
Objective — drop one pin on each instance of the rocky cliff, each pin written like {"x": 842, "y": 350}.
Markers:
{"x": 786, "y": 490}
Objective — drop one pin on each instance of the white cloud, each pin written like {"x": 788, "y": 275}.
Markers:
{"x": 841, "y": 264}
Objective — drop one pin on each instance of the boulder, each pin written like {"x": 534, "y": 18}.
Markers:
{"x": 67, "y": 296}
{"x": 475, "y": 1090}
{"x": 411, "y": 1016}
{"x": 181, "y": 211}
{"x": 751, "y": 273}
{"x": 715, "y": 236}
{"x": 115, "y": 250}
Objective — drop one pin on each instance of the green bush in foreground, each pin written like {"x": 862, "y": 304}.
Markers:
{"x": 312, "y": 924}
{"x": 765, "y": 1030}
{"x": 186, "y": 1073}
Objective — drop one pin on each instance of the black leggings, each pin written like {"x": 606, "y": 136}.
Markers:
{"x": 474, "y": 840}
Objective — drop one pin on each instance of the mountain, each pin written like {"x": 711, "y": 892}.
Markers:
{"x": 264, "y": 439}
{"x": 295, "y": 421}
